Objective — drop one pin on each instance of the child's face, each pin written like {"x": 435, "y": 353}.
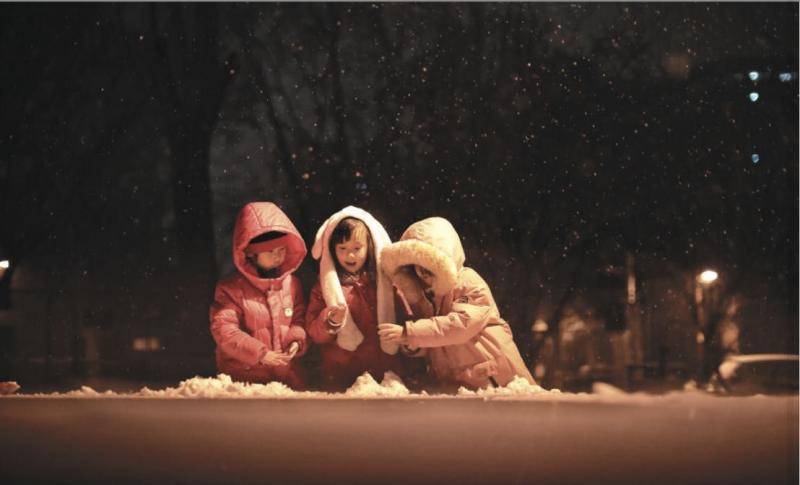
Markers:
{"x": 426, "y": 276}
{"x": 271, "y": 259}
{"x": 352, "y": 254}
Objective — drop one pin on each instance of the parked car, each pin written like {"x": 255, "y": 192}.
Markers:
{"x": 757, "y": 374}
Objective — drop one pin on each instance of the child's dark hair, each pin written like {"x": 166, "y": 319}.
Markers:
{"x": 344, "y": 231}
{"x": 267, "y": 236}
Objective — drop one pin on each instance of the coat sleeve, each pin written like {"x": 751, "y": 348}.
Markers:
{"x": 296, "y": 331}
{"x": 403, "y": 314}
{"x": 226, "y": 318}
{"x": 315, "y": 317}
{"x": 471, "y": 311}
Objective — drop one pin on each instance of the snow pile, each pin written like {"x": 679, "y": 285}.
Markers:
{"x": 8, "y": 387}
{"x": 606, "y": 389}
{"x": 517, "y": 387}
{"x": 86, "y": 391}
{"x": 690, "y": 386}
{"x": 366, "y": 386}
{"x": 221, "y": 387}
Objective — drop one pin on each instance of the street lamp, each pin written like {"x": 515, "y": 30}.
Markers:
{"x": 703, "y": 282}
{"x": 4, "y": 285}
{"x": 708, "y": 276}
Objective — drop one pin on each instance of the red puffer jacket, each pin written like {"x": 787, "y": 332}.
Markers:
{"x": 340, "y": 367}
{"x": 252, "y": 315}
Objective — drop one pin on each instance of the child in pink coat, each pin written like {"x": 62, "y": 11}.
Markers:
{"x": 257, "y": 314}
{"x": 457, "y": 325}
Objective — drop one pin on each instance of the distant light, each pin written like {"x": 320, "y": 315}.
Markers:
{"x": 4, "y": 264}
{"x": 785, "y": 76}
{"x": 700, "y": 338}
{"x": 540, "y": 326}
{"x": 708, "y": 276}
{"x": 146, "y": 344}
{"x": 755, "y": 158}
{"x": 153, "y": 343}
{"x": 753, "y": 75}
{"x": 753, "y": 96}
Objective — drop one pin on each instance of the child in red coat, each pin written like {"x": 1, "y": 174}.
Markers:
{"x": 351, "y": 297}
{"x": 257, "y": 314}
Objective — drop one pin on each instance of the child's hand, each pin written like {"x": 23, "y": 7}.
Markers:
{"x": 334, "y": 318}
{"x": 391, "y": 333}
{"x": 336, "y": 314}
{"x": 275, "y": 359}
{"x": 293, "y": 348}
{"x": 485, "y": 370}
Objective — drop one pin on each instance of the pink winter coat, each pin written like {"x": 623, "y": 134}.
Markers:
{"x": 460, "y": 329}
{"x": 252, "y": 315}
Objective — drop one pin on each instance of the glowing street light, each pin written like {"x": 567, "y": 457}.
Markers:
{"x": 5, "y": 264}
{"x": 708, "y": 276}
{"x": 753, "y": 75}
{"x": 703, "y": 290}
{"x": 753, "y": 96}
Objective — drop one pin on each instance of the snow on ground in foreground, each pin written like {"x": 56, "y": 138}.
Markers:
{"x": 366, "y": 387}
{"x": 223, "y": 386}
{"x": 517, "y": 387}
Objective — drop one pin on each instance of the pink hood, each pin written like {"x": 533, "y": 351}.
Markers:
{"x": 255, "y": 219}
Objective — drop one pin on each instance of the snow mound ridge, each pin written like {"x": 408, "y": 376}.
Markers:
{"x": 367, "y": 386}
{"x": 221, "y": 386}
{"x": 517, "y": 387}
{"x": 86, "y": 391}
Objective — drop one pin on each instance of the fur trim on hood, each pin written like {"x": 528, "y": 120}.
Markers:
{"x": 350, "y": 337}
{"x": 432, "y": 243}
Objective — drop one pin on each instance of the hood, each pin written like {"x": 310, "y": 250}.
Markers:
{"x": 432, "y": 243}
{"x": 349, "y": 338}
{"x": 257, "y": 218}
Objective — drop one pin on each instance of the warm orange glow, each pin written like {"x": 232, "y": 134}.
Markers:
{"x": 708, "y": 276}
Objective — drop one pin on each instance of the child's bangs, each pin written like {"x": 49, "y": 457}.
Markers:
{"x": 348, "y": 229}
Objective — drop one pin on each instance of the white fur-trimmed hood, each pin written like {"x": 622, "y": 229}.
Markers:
{"x": 432, "y": 243}
{"x": 350, "y": 337}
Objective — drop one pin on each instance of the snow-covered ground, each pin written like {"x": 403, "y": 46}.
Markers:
{"x": 216, "y": 430}
{"x": 223, "y": 387}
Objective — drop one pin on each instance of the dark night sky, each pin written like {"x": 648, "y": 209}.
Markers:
{"x": 556, "y": 138}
